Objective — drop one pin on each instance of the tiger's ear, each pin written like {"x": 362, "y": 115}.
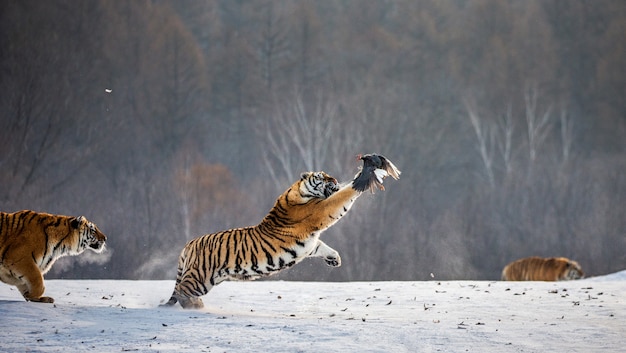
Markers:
{"x": 76, "y": 222}
{"x": 305, "y": 176}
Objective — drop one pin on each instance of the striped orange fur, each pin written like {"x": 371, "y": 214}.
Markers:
{"x": 289, "y": 233}
{"x": 30, "y": 243}
{"x": 542, "y": 269}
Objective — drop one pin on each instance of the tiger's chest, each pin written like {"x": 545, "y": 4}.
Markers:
{"x": 271, "y": 259}
{"x": 54, "y": 252}
{"x": 288, "y": 255}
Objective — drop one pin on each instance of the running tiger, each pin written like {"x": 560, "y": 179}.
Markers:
{"x": 288, "y": 234}
{"x": 542, "y": 269}
{"x": 31, "y": 242}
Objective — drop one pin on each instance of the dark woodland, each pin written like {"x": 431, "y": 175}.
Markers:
{"x": 164, "y": 120}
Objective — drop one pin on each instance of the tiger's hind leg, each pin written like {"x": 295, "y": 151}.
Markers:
{"x": 330, "y": 255}
{"x": 173, "y": 300}
{"x": 191, "y": 303}
{"x": 185, "y": 301}
{"x": 187, "y": 292}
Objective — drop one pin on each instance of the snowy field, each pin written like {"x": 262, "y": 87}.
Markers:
{"x": 276, "y": 316}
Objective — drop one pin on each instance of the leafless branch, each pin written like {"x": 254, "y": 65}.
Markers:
{"x": 485, "y": 140}
{"x": 299, "y": 136}
{"x": 506, "y": 128}
{"x": 566, "y": 135}
{"x": 538, "y": 127}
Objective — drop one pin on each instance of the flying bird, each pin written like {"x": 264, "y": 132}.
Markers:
{"x": 375, "y": 168}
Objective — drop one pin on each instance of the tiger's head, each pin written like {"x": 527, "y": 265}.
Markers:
{"x": 90, "y": 236}
{"x": 317, "y": 185}
{"x": 572, "y": 270}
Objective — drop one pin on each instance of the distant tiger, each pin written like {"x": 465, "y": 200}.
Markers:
{"x": 287, "y": 235}
{"x": 542, "y": 269}
{"x": 31, "y": 242}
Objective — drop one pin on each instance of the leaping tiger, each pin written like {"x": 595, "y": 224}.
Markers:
{"x": 289, "y": 233}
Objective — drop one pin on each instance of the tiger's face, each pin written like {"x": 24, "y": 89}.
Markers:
{"x": 90, "y": 236}
{"x": 573, "y": 271}
{"x": 317, "y": 185}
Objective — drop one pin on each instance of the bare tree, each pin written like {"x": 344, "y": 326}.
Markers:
{"x": 183, "y": 185}
{"x": 485, "y": 141}
{"x": 505, "y": 142}
{"x": 42, "y": 128}
{"x": 273, "y": 46}
{"x": 538, "y": 124}
{"x": 567, "y": 135}
{"x": 300, "y": 137}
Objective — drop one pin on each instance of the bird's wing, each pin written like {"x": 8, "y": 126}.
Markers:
{"x": 375, "y": 168}
{"x": 390, "y": 168}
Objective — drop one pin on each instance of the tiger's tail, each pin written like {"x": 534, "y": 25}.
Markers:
{"x": 179, "y": 271}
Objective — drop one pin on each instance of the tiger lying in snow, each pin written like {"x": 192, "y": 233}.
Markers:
{"x": 542, "y": 269}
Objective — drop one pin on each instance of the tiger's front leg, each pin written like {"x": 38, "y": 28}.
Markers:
{"x": 32, "y": 286}
{"x": 330, "y": 255}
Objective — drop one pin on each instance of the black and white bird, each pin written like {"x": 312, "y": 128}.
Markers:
{"x": 375, "y": 168}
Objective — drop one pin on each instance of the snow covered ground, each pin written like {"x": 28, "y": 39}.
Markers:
{"x": 276, "y": 316}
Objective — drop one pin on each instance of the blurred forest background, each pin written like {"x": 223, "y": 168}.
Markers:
{"x": 164, "y": 120}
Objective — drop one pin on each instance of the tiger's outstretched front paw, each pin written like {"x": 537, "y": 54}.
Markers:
{"x": 333, "y": 260}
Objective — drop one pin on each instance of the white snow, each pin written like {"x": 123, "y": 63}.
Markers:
{"x": 587, "y": 315}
